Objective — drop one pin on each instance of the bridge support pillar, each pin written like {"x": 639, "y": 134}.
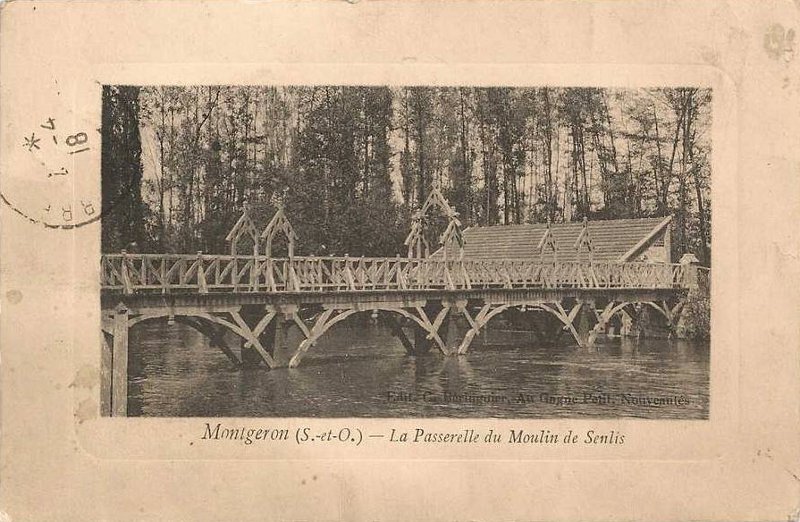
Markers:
{"x": 451, "y": 337}
{"x": 587, "y": 333}
{"x": 286, "y": 341}
{"x": 547, "y": 329}
{"x": 397, "y": 330}
{"x": 106, "y": 341}
{"x": 644, "y": 324}
{"x": 577, "y": 320}
{"x": 455, "y": 327}
{"x": 257, "y": 321}
{"x": 119, "y": 363}
{"x": 410, "y": 336}
{"x": 422, "y": 344}
{"x": 403, "y": 334}
{"x": 218, "y": 336}
{"x": 249, "y": 355}
{"x": 626, "y": 323}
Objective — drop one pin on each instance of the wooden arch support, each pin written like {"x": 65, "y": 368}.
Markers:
{"x": 327, "y": 318}
{"x": 584, "y": 339}
{"x": 279, "y": 224}
{"x": 671, "y": 313}
{"x": 567, "y": 318}
{"x": 323, "y": 322}
{"x": 114, "y": 339}
{"x": 244, "y": 227}
{"x": 214, "y": 335}
{"x": 237, "y": 325}
{"x": 478, "y": 322}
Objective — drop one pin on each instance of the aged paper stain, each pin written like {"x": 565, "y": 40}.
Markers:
{"x": 780, "y": 42}
{"x": 14, "y": 296}
{"x": 86, "y": 377}
{"x": 87, "y": 409}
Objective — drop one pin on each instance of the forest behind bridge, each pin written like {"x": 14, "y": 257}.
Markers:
{"x": 350, "y": 164}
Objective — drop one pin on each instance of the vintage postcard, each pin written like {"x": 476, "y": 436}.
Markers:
{"x": 399, "y": 261}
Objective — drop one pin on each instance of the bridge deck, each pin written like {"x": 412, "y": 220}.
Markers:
{"x": 277, "y": 309}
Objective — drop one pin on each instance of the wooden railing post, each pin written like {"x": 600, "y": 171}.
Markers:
{"x": 271, "y": 275}
{"x": 201, "y": 274}
{"x": 235, "y": 272}
{"x": 126, "y": 280}
{"x": 292, "y": 279}
{"x": 448, "y": 278}
{"x": 162, "y": 274}
{"x": 401, "y": 281}
{"x": 348, "y": 274}
{"x": 467, "y": 282}
{"x": 361, "y": 271}
{"x": 254, "y": 274}
{"x": 690, "y": 264}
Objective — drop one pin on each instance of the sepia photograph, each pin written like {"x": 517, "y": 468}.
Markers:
{"x": 406, "y": 251}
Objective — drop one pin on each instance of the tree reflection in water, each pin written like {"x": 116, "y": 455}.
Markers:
{"x": 174, "y": 372}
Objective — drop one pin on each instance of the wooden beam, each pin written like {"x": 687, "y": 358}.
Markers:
{"x": 244, "y": 331}
{"x": 432, "y": 331}
{"x": 602, "y": 320}
{"x": 451, "y": 331}
{"x": 479, "y": 322}
{"x": 119, "y": 363}
{"x": 568, "y": 320}
{"x": 303, "y": 328}
{"x": 324, "y": 322}
{"x": 264, "y": 322}
{"x": 201, "y": 275}
{"x": 106, "y": 376}
{"x": 215, "y": 334}
{"x": 124, "y": 275}
{"x": 398, "y": 332}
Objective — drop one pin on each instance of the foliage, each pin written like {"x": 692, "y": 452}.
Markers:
{"x": 121, "y": 163}
{"x": 695, "y": 320}
{"x": 350, "y": 164}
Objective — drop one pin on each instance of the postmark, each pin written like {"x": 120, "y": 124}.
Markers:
{"x": 54, "y": 171}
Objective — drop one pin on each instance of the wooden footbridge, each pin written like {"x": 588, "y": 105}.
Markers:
{"x": 278, "y": 308}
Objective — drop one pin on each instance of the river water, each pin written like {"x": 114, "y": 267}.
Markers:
{"x": 362, "y": 371}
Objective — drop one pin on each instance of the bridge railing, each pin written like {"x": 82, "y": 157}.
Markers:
{"x": 203, "y": 273}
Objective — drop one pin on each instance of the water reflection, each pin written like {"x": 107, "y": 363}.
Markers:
{"x": 362, "y": 371}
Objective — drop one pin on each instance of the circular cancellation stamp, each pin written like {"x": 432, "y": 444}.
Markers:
{"x": 54, "y": 170}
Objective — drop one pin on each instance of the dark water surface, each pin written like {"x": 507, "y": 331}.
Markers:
{"x": 362, "y": 371}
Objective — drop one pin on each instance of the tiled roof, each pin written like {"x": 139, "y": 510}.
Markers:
{"x": 611, "y": 239}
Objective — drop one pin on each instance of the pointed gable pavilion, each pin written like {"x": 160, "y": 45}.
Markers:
{"x": 452, "y": 238}
{"x": 612, "y": 240}
{"x": 279, "y": 224}
{"x": 244, "y": 228}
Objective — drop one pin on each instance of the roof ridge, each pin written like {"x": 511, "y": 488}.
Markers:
{"x": 570, "y": 223}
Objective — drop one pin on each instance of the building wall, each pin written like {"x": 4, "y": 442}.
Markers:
{"x": 658, "y": 251}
